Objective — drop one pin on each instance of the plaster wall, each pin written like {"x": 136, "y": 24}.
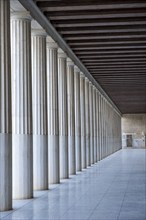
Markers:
{"x": 135, "y": 125}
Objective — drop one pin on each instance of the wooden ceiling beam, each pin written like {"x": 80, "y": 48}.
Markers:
{"x": 132, "y": 63}
{"x": 87, "y": 23}
{"x": 89, "y": 44}
{"x": 89, "y": 5}
{"x": 118, "y": 68}
{"x": 56, "y": 3}
{"x": 112, "y": 56}
{"x": 114, "y": 47}
{"x": 97, "y": 73}
{"x": 102, "y": 30}
{"x": 88, "y": 53}
{"x": 76, "y": 15}
{"x": 114, "y": 60}
{"x": 105, "y": 13}
{"x": 118, "y": 36}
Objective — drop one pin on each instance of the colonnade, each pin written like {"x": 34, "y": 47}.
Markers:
{"x": 58, "y": 123}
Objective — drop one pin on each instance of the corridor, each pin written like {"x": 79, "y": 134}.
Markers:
{"x": 112, "y": 189}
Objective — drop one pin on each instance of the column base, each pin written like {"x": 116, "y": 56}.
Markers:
{"x": 63, "y": 143}
{"x": 53, "y": 151}
{"x": 22, "y": 146}
{"x": 40, "y": 162}
{"x": 88, "y": 158}
{"x": 78, "y": 153}
{"x": 72, "y": 159}
{"x": 83, "y": 152}
{"x": 95, "y": 150}
{"x": 5, "y": 172}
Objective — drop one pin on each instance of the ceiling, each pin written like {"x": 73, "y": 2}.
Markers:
{"x": 109, "y": 37}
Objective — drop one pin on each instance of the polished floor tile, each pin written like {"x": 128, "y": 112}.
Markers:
{"x": 113, "y": 189}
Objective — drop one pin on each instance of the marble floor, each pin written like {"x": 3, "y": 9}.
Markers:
{"x": 113, "y": 189}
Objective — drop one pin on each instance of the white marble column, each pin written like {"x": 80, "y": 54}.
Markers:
{"x": 100, "y": 126}
{"x": 22, "y": 105}
{"x": 53, "y": 117}
{"x": 83, "y": 122}
{"x": 39, "y": 106}
{"x": 87, "y": 122}
{"x": 77, "y": 118}
{"x": 91, "y": 122}
{"x": 104, "y": 132}
{"x": 63, "y": 114}
{"x": 71, "y": 116}
{"x": 97, "y": 123}
{"x": 94, "y": 125}
{"x": 5, "y": 109}
{"x": 106, "y": 129}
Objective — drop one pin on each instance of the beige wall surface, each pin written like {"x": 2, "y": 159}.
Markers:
{"x": 134, "y": 124}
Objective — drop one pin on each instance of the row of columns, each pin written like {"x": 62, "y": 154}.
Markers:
{"x": 60, "y": 123}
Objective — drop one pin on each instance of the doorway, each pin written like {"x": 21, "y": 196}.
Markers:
{"x": 129, "y": 140}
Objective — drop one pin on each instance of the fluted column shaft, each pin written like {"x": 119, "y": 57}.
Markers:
{"x": 103, "y": 136}
{"x": 71, "y": 116}
{"x": 53, "y": 117}
{"x": 91, "y": 122}
{"x": 94, "y": 125}
{"x": 5, "y": 109}
{"x": 39, "y": 106}
{"x": 97, "y": 121}
{"x": 83, "y": 122}
{"x": 63, "y": 114}
{"x": 87, "y": 122}
{"x": 22, "y": 105}
{"x": 77, "y": 118}
{"x": 104, "y": 128}
{"x": 100, "y": 127}
{"x": 102, "y": 131}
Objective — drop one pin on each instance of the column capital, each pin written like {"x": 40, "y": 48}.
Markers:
{"x": 86, "y": 79}
{"x": 51, "y": 43}
{"x": 82, "y": 75}
{"x": 93, "y": 86}
{"x": 61, "y": 53}
{"x": 76, "y": 69}
{"x": 38, "y": 32}
{"x": 70, "y": 62}
{"x": 23, "y": 15}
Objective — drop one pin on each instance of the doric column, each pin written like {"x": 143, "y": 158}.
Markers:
{"x": 39, "y": 106}
{"x": 22, "y": 105}
{"x": 83, "y": 122}
{"x": 5, "y": 109}
{"x": 91, "y": 122}
{"x": 101, "y": 127}
{"x": 77, "y": 118}
{"x": 100, "y": 123}
{"x": 71, "y": 116}
{"x": 63, "y": 116}
{"x": 106, "y": 128}
{"x": 104, "y": 140}
{"x": 94, "y": 125}
{"x": 87, "y": 122}
{"x": 97, "y": 121}
{"x": 53, "y": 117}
